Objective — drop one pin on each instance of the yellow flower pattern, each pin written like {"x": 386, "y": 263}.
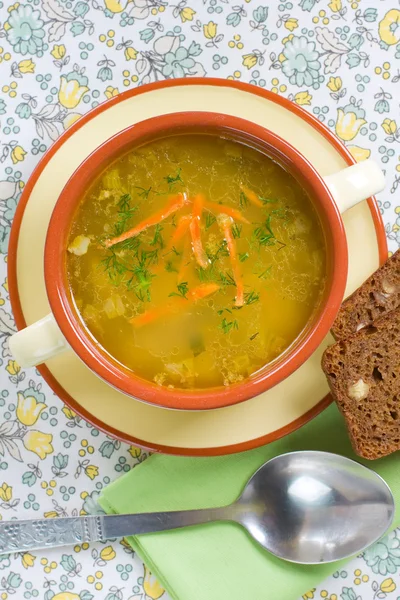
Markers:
{"x": 58, "y": 52}
{"x": 337, "y": 59}
{"x": 29, "y": 409}
{"x": 38, "y": 442}
{"x": 18, "y": 154}
{"x": 388, "y": 586}
{"x": 334, "y": 84}
{"x": 5, "y": 492}
{"x": 303, "y": 98}
{"x": 108, "y": 553}
{"x": 210, "y": 30}
{"x": 26, "y": 66}
{"x": 71, "y": 92}
{"x": 28, "y": 560}
{"x": 348, "y": 125}
{"x": 389, "y": 27}
{"x": 151, "y": 586}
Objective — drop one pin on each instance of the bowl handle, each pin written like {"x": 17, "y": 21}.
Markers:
{"x": 353, "y": 184}
{"x": 38, "y": 342}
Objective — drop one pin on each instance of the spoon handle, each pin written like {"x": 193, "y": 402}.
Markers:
{"x": 21, "y": 536}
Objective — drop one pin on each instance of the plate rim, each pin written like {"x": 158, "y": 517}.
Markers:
{"x": 14, "y": 238}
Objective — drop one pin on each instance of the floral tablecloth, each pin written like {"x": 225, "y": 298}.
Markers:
{"x": 59, "y": 59}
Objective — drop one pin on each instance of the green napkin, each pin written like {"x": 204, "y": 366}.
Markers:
{"x": 220, "y": 561}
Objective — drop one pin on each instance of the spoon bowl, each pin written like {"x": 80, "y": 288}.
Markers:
{"x": 315, "y": 507}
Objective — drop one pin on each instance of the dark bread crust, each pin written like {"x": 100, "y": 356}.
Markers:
{"x": 377, "y": 296}
{"x": 363, "y": 373}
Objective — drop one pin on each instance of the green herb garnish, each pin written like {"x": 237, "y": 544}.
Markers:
{"x": 268, "y": 226}
{"x": 157, "y": 239}
{"x": 268, "y": 200}
{"x": 227, "y": 326}
{"x": 125, "y": 213}
{"x": 113, "y": 266}
{"x": 124, "y": 203}
{"x": 143, "y": 192}
{"x": 170, "y": 267}
{"x": 182, "y": 290}
{"x": 236, "y": 230}
{"x": 210, "y": 220}
{"x": 244, "y": 256}
{"x": 251, "y": 297}
{"x": 243, "y": 200}
{"x": 263, "y": 238}
{"x": 265, "y": 273}
{"x": 227, "y": 279}
{"x": 221, "y": 251}
{"x": 206, "y": 274}
{"x": 253, "y": 337}
{"x": 147, "y": 257}
{"x": 172, "y": 179}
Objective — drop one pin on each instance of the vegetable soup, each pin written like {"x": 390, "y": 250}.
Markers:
{"x": 195, "y": 261}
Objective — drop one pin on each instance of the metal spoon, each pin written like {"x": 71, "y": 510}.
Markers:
{"x": 306, "y": 507}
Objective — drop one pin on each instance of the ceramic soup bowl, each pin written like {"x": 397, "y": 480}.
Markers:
{"x": 63, "y": 329}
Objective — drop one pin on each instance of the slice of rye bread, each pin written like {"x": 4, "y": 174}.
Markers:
{"x": 378, "y": 295}
{"x": 363, "y": 372}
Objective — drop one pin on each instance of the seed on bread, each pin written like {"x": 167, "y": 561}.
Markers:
{"x": 358, "y": 390}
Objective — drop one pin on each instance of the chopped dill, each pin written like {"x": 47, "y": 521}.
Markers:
{"x": 170, "y": 267}
{"x": 143, "y": 192}
{"x": 210, "y": 220}
{"x": 129, "y": 244}
{"x": 236, "y": 230}
{"x": 146, "y": 258}
{"x": 124, "y": 203}
{"x": 251, "y": 297}
{"x": 268, "y": 226}
{"x": 125, "y": 212}
{"x": 244, "y": 256}
{"x": 243, "y": 200}
{"x": 141, "y": 287}
{"x": 182, "y": 290}
{"x": 206, "y": 274}
{"x": 265, "y": 273}
{"x": 253, "y": 337}
{"x": 268, "y": 200}
{"x": 157, "y": 239}
{"x": 227, "y": 326}
{"x": 221, "y": 251}
{"x": 226, "y": 279}
{"x": 262, "y": 237}
{"x": 171, "y": 179}
{"x": 113, "y": 266}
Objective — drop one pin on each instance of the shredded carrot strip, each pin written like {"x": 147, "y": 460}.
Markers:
{"x": 202, "y": 291}
{"x": 185, "y": 260}
{"x": 195, "y": 232}
{"x": 197, "y": 293}
{"x": 181, "y": 229}
{"x": 173, "y": 204}
{"x": 252, "y": 196}
{"x": 226, "y": 226}
{"x": 225, "y": 210}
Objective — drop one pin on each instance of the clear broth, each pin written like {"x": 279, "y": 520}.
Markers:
{"x": 208, "y": 342}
